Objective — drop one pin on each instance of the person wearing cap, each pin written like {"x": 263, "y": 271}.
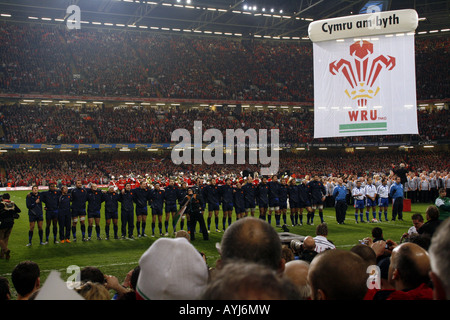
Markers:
{"x": 171, "y": 269}
{"x": 194, "y": 209}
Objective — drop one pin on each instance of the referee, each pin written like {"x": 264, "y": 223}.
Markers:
{"x": 340, "y": 196}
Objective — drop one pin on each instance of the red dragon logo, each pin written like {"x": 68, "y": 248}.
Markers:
{"x": 362, "y": 74}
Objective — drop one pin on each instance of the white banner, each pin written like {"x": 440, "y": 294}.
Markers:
{"x": 365, "y": 86}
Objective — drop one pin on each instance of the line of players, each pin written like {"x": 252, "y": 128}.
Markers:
{"x": 65, "y": 208}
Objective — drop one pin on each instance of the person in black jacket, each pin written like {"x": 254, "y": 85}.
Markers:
{"x": 262, "y": 196}
{"x": 250, "y": 196}
{"x": 194, "y": 209}
{"x": 8, "y": 213}
{"x": 51, "y": 198}
{"x": 127, "y": 211}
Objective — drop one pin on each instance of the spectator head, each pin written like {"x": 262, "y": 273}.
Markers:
{"x": 366, "y": 253}
{"x": 297, "y": 272}
{"x": 5, "y": 292}
{"x": 252, "y": 240}
{"x": 180, "y": 275}
{"x": 243, "y": 280}
{"x": 322, "y": 230}
{"x": 26, "y": 279}
{"x": 440, "y": 261}
{"x": 442, "y": 192}
{"x": 337, "y": 275}
{"x": 409, "y": 267}
{"x": 93, "y": 291}
{"x": 6, "y": 196}
{"x": 309, "y": 243}
{"x": 92, "y": 274}
{"x": 417, "y": 220}
{"x": 432, "y": 213}
{"x": 377, "y": 233}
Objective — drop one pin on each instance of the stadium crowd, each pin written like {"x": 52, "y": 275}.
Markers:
{"x": 45, "y": 124}
{"x": 54, "y": 60}
{"x": 253, "y": 264}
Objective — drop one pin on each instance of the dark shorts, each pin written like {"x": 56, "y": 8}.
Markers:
{"x": 371, "y": 203}
{"x": 77, "y": 213}
{"x": 249, "y": 204}
{"x": 303, "y": 204}
{"x": 294, "y": 204}
{"x": 50, "y": 215}
{"x": 157, "y": 211}
{"x": 111, "y": 215}
{"x": 35, "y": 217}
{"x": 227, "y": 207}
{"x": 263, "y": 205}
{"x": 239, "y": 210}
{"x": 359, "y": 204}
{"x": 141, "y": 211}
{"x": 171, "y": 207}
{"x": 283, "y": 205}
{"x": 213, "y": 207}
{"x": 93, "y": 214}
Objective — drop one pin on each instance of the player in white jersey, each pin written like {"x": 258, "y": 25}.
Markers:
{"x": 383, "y": 199}
{"x": 359, "y": 196}
{"x": 370, "y": 191}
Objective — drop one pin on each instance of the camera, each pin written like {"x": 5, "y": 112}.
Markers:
{"x": 296, "y": 245}
{"x": 365, "y": 242}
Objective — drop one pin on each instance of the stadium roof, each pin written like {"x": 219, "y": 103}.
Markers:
{"x": 283, "y": 19}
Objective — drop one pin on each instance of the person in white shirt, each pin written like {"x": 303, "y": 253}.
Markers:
{"x": 383, "y": 199}
{"x": 370, "y": 191}
{"x": 359, "y": 196}
{"x": 322, "y": 243}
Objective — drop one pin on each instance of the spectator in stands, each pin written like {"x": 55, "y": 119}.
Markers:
{"x": 180, "y": 275}
{"x": 337, "y": 275}
{"x": 408, "y": 273}
{"x": 439, "y": 252}
{"x": 252, "y": 240}
{"x": 297, "y": 272}
{"x": 321, "y": 239}
{"x": 26, "y": 279}
{"x": 5, "y": 291}
{"x": 245, "y": 280}
{"x": 429, "y": 227}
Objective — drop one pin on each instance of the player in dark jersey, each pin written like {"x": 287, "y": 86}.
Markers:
{"x": 262, "y": 198}
{"x": 78, "y": 207}
{"x": 35, "y": 214}
{"x": 141, "y": 197}
{"x": 170, "y": 199}
{"x": 212, "y": 194}
{"x": 157, "y": 203}
{"x": 226, "y": 192}
{"x": 249, "y": 196}
{"x": 51, "y": 199}
{"x": 274, "y": 200}
{"x": 111, "y": 211}
{"x": 294, "y": 201}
